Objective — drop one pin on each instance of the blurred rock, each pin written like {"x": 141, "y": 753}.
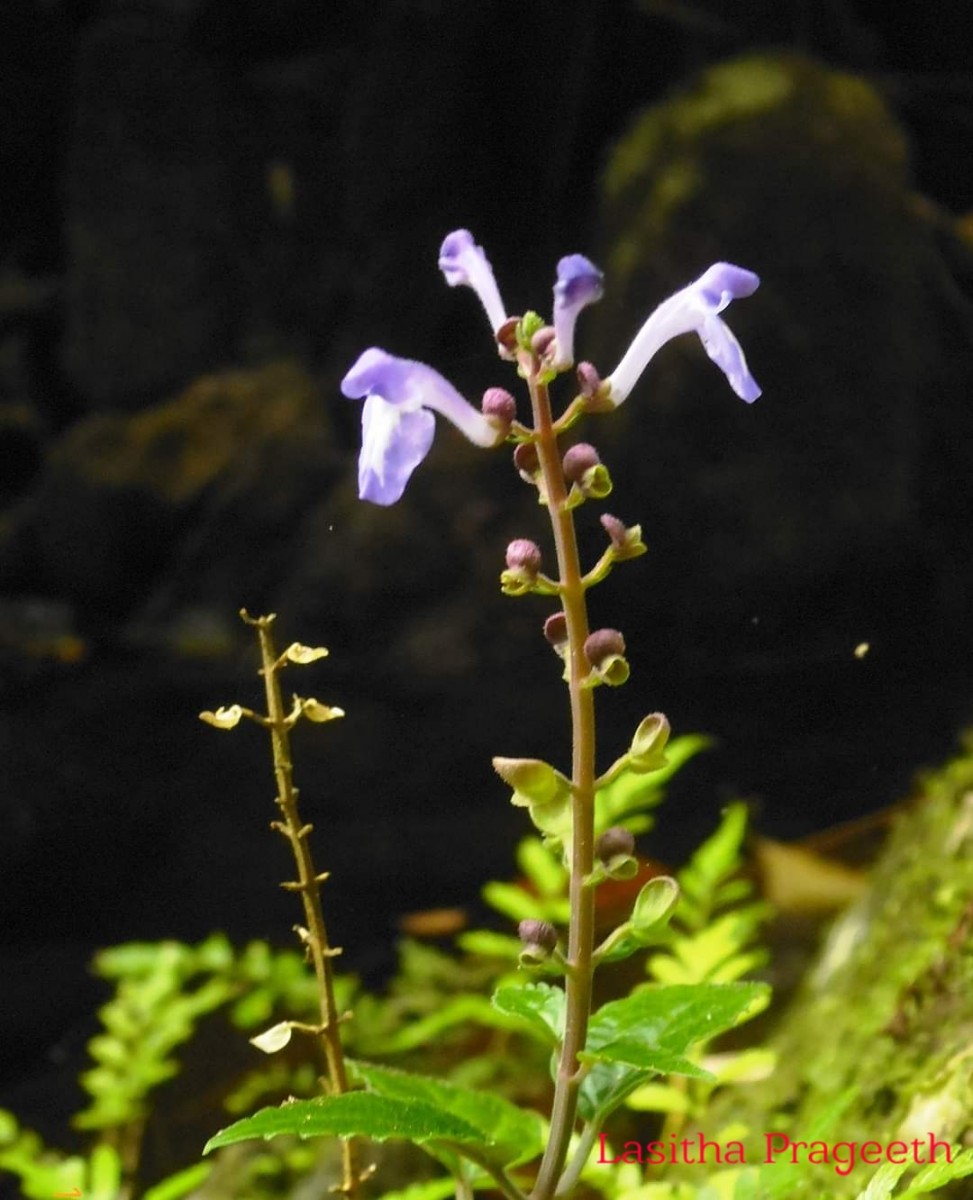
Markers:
{"x": 209, "y": 484}
{"x": 813, "y": 497}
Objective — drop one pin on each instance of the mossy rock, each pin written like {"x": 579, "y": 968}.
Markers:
{"x": 801, "y": 173}
{"x": 881, "y": 1034}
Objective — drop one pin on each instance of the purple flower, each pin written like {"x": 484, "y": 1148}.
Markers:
{"x": 462, "y": 261}
{"x": 695, "y": 307}
{"x": 397, "y": 422}
{"x": 579, "y": 283}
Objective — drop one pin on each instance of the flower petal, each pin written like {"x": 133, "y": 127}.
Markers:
{"x": 462, "y": 261}
{"x": 394, "y": 443}
{"x": 397, "y": 424}
{"x": 696, "y": 307}
{"x": 579, "y": 283}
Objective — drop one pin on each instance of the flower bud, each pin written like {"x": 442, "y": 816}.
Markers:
{"x": 614, "y": 842}
{"x": 556, "y": 630}
{"x": 626, "y": 540}
{"x": 589, "y": 381}
{"x": 523, "y": 570}
{"x": 578, "y": 461}
{"x": 524, "y": 555}
{"x": 539, "y": 940}
{"x": 615, "y": 851}
{"x": 602, "y": 644}
{"x": 542, "y": 340}
{"x": 615, "y": 530}
{"x": 533, "y": 932}
{"x": 527, "y": 462}
{"x": 605, "y": 651}
{"x": 584, "y": 470}
{"x": 506, "y": 336}
{"x": 499, "y": 406}
{"x": 648, "y": 749}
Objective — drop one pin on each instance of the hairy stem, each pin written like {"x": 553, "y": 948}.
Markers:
{"x": 315, "y": 935}
{"x": 582, "y": 900}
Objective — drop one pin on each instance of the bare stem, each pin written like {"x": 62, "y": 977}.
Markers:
{"x": 581, "y": 929}
{"x": 315, "y": 936}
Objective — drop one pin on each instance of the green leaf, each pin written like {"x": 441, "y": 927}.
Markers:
{"x": 882, "y": 1184}
{"x": 487, "y": 943}
{"x": 180, "y": 1184}
{"x": 671, "y": 1018}
{"x": 605, "y": 1087}
{"x": 351, "y": 1115}
{"x": 634, "y": 1053}
{"x": 431, "y": 1189}
{"x": 540, "y": 1004}
{"x": 629, "y": 790}
{"x": 649, "y": 1033}
{"x": 545, "y": 870}
{"x": 422, "y": 1030}
{"x": 938, "y": 1174}
{"x": 514, "y": 1136}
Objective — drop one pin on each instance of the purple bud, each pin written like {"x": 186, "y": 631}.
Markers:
{"x": 526, "y": 460}
{"x": 578, "y": 461}
{"x": 613, "y": 842}
{"x": 541, "y": 934}
{"x": 542, "y": 341}
{"x": 556, "y": 629}
{"x": 524, "y": 555}
{"x": 615, "y": 529}
{"x": 589, "y": 381}
{"x": 499, "y": 405}
{"x": 602, "y": 644}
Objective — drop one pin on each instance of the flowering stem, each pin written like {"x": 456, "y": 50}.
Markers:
{"x": 582, "y": 901}
{"x": 315, "y": 936}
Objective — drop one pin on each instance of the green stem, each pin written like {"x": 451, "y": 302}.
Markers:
{"x": 504, "y": 1183}
{"x": 574, "y": 1168}
{"x": 582, "y": 900}
{"x": 308, "y": 882}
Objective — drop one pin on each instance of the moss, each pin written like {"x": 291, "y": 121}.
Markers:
{"x": 885, "y": 1012}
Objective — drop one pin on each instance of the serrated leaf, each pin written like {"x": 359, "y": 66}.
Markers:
{"x": 605, "y": 1087}
{"x": 513, "y": 1134}
{"x": 354, "y": 1114}
{"x": 670, "y": 1018}
{"x": 634, "y": 1053}
{"x": 882, "y": 1184}
{"x": 938, "y": 1174}
{"x": 541, "y": 1005}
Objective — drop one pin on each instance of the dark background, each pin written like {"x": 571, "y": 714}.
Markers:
{"x": 210, "y": 208}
